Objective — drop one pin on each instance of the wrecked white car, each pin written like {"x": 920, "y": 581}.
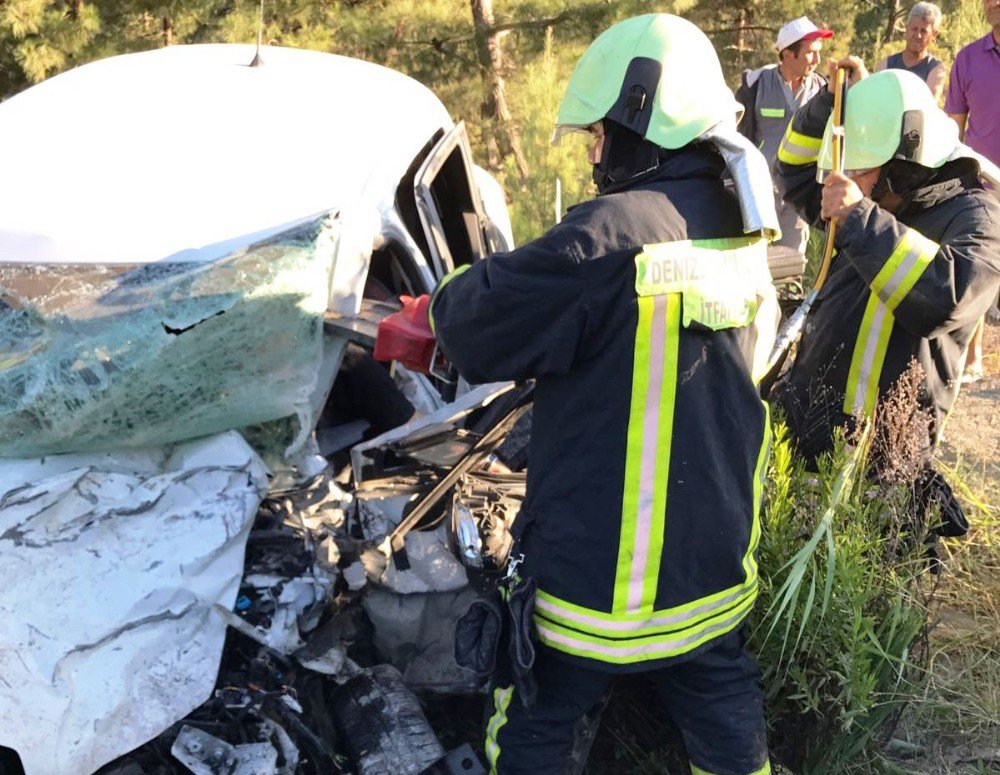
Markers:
{"x": 219, "y": 518}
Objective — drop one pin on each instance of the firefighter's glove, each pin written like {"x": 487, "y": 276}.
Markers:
{"x": 953, "y": 523}
{"x": 934, "y": 491}
{"x": 521, "y": 605}
{"x": 478, "y": 634}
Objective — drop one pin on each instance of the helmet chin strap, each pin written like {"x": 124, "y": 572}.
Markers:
{"x": 625, "y": 156}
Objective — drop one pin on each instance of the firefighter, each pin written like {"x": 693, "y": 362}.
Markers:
{"x": 918, "y": 259}
{"x": 642, "y": 317}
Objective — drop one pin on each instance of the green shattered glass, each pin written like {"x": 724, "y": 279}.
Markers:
{"x": 96, "y": 357}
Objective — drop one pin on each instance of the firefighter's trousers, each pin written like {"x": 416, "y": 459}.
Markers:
{"x": 713, "y": 698}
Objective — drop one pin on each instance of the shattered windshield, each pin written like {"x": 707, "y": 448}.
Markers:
{"x": 105, "y": 356}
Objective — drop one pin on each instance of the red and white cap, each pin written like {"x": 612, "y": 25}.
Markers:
{"x": 800, "y": 29}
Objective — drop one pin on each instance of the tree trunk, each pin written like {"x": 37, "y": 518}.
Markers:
{"x": 892, "y": 13}
{"x": 168, "y": 31}
{"x": 741, "y": 39}
{"x": 505, "y": 139}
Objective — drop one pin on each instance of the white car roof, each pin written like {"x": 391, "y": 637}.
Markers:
{"x": 187, "y": 152}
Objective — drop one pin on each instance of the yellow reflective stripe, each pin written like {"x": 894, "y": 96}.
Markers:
{"x": 911, "y": 257}
{"x": 647, "y": 621}
{"x": 765, "y": 770}
{"x": 612, "y": 622}
{"x": 901, "y": 271}
{"x": 637, "y": 650}
{"x": 665, "y": 430}
{"x": 657, "y": 623}
{"x": 633, "y": 453}
{"x": 765, "y": 329}
{"x": 501, "y": 701}
{"x": 647, "y": 461}
{"x": 868, "y": 358}
{"x": 760, "y": 474}
{"x": 772, "y": 112}
{"x": 649, "y": 434}
{"x": 444, "y": 281}
{"x": 797, "y": 148}
{"x": 629, "y": 638}
{"x": 656, "y": 646}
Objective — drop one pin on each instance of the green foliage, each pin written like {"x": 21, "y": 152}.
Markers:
{"x": 535, "y": 92}
{"x": 39, "y": 39}
{"x": 433, "y": 41}
{"x": 837, "y": 614}
{"x": 963, "y": 22}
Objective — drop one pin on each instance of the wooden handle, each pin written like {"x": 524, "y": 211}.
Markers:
{"x": 837, "y": 147}
{"x": 839, "y": 94}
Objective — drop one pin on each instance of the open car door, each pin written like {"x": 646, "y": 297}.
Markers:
{"x": 449, "y": 205}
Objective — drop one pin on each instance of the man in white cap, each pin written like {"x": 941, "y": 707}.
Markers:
{"x": 770, "y": 96}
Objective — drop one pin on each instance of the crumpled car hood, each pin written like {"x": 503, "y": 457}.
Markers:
{"x": 111, "y": 567}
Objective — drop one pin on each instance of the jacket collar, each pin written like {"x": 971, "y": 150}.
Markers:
{"x": 691, "y": 161}
{"x": 952, "y": 179}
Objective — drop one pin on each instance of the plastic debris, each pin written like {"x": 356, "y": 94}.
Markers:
{"x": 433, "y": 566}
{"x": 416, "y": 633}
{"x": 382, "y": 725}
{"x": 204, "y": 754}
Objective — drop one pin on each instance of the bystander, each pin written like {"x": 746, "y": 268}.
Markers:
{"x": 922, "y": 27}
{"x": 770, "y": 96}
{"x": 974, "y": 104}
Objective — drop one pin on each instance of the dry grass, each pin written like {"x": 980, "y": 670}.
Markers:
{"x": 954, "y": 719}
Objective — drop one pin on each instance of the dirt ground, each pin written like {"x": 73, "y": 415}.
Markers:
{"x": 954, "y": 727}
{"x": 973, "y": 430}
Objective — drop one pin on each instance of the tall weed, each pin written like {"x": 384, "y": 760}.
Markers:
{"x": 839, "y": 614}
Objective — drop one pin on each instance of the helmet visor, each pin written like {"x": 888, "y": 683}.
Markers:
{"x": 562, "y": 130}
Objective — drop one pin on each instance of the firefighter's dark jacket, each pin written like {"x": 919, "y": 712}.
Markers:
{"x": 649, "y": 438}
{"x": 902, "y": 288}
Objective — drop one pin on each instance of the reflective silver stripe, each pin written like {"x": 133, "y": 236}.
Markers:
{"x": 890, "y": 286}
{"x": 870, "y": 351}
{"x": 799, "y": 150}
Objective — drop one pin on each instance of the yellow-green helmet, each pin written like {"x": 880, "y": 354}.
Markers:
{"x": 891, "y": 115}
{"x": 657, "y": 74}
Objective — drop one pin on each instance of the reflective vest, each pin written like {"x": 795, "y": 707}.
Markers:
{"x": 773, "y": 108}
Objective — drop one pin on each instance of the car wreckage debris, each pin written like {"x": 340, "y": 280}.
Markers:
{"x": 326, "y": 635}
{"x": 318, "y": 600}
{"x": 382, "y": 725}
{"x": 204, "y": 754}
